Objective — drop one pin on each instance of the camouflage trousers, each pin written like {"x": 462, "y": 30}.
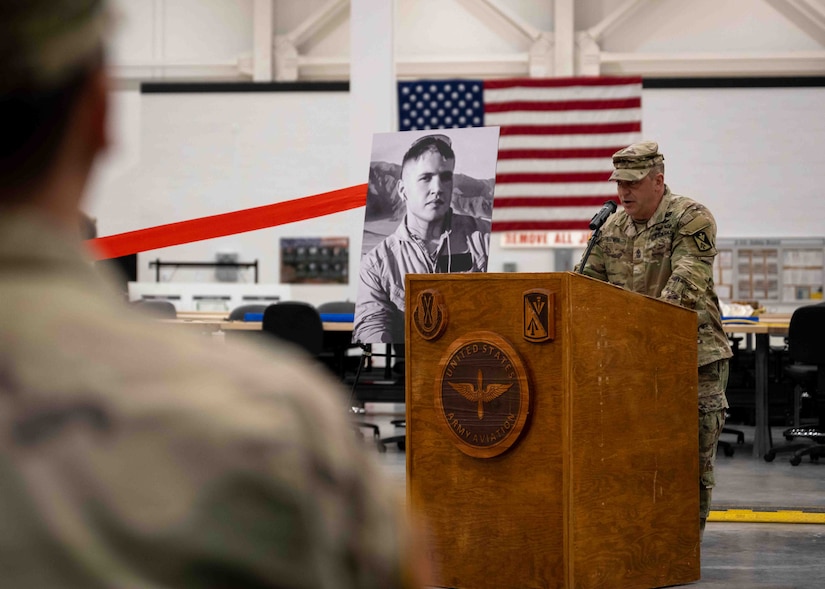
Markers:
{"x": 713, "y": 379}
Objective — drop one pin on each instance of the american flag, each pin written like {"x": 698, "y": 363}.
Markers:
{"x": 556, "y": 142}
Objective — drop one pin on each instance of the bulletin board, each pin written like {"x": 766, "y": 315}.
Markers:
{"x": 790, "y": 270}
{"x": 315, "y": 260}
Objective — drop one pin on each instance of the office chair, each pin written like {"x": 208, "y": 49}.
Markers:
{"x": 339, "y": 342}
{"x": 297, "y": 323}
{"x": 806, "y": 349}
{"x": 159, "y": 309}
{"x": 345, "y": 307}
{"x": 238, "y": 313}
{"x": 300, "y": 324}
{"x": 336, "y": 343}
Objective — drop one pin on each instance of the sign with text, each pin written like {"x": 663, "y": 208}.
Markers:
{"x": 546, "y": 239}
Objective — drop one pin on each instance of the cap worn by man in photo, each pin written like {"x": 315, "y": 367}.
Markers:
{"x": 634, "y": 162}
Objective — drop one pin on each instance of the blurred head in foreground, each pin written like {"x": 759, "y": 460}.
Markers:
{"x": 53, "y": 98}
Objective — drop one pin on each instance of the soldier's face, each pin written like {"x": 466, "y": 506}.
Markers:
{"x": 427, "y": 186}
{"x": 640, "y": 199}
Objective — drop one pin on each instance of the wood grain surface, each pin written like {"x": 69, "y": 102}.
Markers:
{"x": 600, "y": 489}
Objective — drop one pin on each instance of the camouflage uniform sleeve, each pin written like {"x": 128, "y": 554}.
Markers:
{"x": 232, "y": 484}
{"x": 311, "y": 513}
{"x": 694, "y": 247}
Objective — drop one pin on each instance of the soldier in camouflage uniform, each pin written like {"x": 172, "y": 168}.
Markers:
{"x": 134, "y": 455}
{"x": 663, "y": 245}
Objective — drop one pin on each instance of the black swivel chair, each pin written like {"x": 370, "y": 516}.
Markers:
{"x": 806, "y": 349}
{"x": 297, "y": 323}
{"x": 300, "y": 324}
{"x": 336, "y": 343}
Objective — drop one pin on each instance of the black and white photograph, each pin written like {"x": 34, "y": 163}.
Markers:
{"x": 429, "y": 210}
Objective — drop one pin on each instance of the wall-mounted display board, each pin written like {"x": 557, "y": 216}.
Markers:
{"x": 771, "y": 271}
{"x": 315, "y": 260}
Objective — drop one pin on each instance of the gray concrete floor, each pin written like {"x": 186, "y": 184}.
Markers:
{"x": 734, "y": 555}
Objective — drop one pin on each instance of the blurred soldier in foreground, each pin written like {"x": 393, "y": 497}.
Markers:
{"x": 663, "y": 245}
{"x": 133, "y": 455}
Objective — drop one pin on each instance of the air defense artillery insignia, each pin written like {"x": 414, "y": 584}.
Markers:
{"x": 538, "y": 315}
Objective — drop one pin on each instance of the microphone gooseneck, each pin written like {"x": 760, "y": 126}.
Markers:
{"x": 596, "y": 223}
{"x": 599, "y": 218}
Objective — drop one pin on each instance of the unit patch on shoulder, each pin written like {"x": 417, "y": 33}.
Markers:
{"x": 703, "y": 241}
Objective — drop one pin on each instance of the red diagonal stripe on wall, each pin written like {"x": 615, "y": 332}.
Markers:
{"x": 233, "y": 223}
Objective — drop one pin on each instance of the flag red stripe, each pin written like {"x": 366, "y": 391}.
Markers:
{"x": 616, "y": 103}
{"x": 560, "y": 225}
{"x": 553, "y": 178}
{"x": 581, "y": 152}
{"x": 548, "y": 201}
{"x": 587, "y": 129}
{"x": 560, "y": 82}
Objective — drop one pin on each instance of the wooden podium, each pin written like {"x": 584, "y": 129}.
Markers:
{"x": 552, "y": 432}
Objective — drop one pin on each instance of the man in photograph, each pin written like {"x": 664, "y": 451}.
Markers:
{"x": 431, "y": 238}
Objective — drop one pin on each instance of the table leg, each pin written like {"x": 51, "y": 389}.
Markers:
{"x": 761, "y": 435}
{"x": 388, "y": 365}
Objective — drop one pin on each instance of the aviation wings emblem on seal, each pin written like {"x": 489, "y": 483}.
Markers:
{"x": 477, "y": 392}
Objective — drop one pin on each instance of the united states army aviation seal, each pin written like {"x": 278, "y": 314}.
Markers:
{"x": 482, "y": 394}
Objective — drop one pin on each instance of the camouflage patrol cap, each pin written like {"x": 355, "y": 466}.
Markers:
{"x": 42, "y": 42}
{"x": 635, "y": 161}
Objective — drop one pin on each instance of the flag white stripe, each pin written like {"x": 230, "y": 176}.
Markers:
{"x": 594, "y": 164}
{"x": 551, "y": 117}
{"x": 543, "y": 213}
{"x": 561, "y": 94}
{"x": 557, "y": 189}
{"x": 566, "y": 141}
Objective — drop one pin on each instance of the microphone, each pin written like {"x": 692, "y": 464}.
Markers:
{"x": 599, "y": 218}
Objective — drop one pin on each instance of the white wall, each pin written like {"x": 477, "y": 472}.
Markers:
{"x": 756, "y": 157}
{"x": 753, "y": 155}
{"x": 193, "y": 155}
